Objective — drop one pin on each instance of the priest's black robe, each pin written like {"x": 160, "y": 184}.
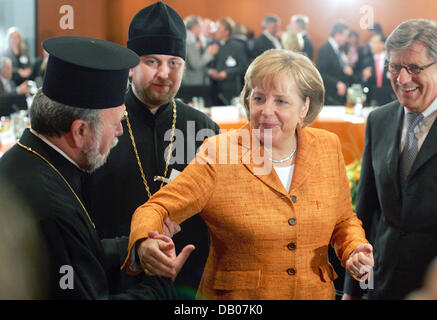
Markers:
{"x": 70, "y": 238}
{"x": 116, "y": 189}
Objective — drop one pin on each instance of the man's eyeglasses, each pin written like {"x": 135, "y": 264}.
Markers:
{"x": 395, "y": 68}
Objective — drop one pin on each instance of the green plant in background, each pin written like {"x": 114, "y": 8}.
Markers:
{"x": 353, "y": 171}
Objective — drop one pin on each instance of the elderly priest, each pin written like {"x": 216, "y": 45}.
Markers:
{"x": 75, "y": 121}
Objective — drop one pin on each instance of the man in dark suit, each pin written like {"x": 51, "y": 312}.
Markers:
{"x": 229, "y": 64}
{"x": 374, "y": 74}
{"x": 396, "y": 197}
{"x": 336, "y": 74}
{"x": 269, "y": 38}
{"x": 299, "y": 24}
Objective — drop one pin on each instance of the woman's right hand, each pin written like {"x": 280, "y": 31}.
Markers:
{"x": 157, "y": 255}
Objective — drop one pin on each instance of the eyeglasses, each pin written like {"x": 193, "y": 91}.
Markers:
{"x": 395, "y": 68}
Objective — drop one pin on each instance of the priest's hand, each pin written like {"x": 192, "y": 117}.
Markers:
{"x": 157, "y": 255}
{"x": 360, "y": 261}
{"x": 171, "y": 227}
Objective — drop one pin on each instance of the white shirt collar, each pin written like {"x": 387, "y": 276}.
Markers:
{"x": 273, "y": 39}
{"x": 428, "y": 111}
{"x": 55, "y": 147}
{"x": 334, "y": 44}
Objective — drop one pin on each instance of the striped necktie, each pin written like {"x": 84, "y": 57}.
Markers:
{"x": 410, "y": 151}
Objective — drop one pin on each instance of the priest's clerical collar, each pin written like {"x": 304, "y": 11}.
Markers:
{"x": 55, "y": 148}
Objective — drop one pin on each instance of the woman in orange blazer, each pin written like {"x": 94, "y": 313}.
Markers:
{"x": 273, "y": 194}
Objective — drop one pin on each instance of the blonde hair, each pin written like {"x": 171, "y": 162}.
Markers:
{"x": 12, "y": 30}
{"x": 276, "y": 64}
{"x": 291, "y": 41}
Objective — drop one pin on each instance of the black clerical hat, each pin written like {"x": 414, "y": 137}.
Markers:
{"x": 157, "y": 29}
{"x": 87, "y": 73}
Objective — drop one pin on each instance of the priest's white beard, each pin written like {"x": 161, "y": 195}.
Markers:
{"x": 93, "y": 158}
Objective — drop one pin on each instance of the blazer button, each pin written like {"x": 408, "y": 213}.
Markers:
{"x": 291, "y": 246}
{"x": 293, "y": 198}
{"x": 292, "y": 221}
{"x": 291, "y": 271}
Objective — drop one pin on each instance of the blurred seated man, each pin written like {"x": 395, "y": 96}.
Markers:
{"x": 7, "y": 86}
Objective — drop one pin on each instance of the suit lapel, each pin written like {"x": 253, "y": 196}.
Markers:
{"x": 306, "y": 153}
{"x": 392, "y": 137}
{"x": 427, "y": 150}
{"x": 2, "y": 88}
{"x": 335, "y": 59}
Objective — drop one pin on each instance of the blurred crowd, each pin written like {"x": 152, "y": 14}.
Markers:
{"x": 219, "y": 52}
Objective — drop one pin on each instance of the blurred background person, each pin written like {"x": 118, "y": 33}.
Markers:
{"x": 352, "y": 48}
{"x": 291, "y": 41}
{"x": 366, "y": 53}
{"x": 374, "y": 74}
{"x": 197, "y": 57}
{"x": 335, "y": 72}
{"x": 272, "y": 213}
{"x": 241, "y": 34}
{"x": 228, "y": 66}
{"x": 208, "y": 28}
{"x": 16, "y": 50}
{"x": 39, "y": 69}
{"x": 7, "y": 85}
{"x": 270, "y": 38}
{"x": 299, "y": 24}
{"x": 23, "y": 256}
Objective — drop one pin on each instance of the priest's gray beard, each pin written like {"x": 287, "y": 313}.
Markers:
{"x": 93, "y": 158}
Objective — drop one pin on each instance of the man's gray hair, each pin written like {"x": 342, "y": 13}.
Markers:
{"x": 4, "y": 60}
{"x": 191, "y": 22}
{"x": 52, "y": 118}
{"x": 410, "y": 31}
{"x": 269, "y": 19}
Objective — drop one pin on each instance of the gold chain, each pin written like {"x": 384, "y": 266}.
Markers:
{"x": 173, "y": 126}
{"x": 60, "y": 174}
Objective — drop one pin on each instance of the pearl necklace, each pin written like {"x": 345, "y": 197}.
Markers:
{"x": 285, "y": 159}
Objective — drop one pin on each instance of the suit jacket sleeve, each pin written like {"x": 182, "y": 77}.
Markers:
{"x": 348, "y": 233}
{"x": 180, "y": 199}
{"x": 308, "y": 47}
{"x": 367, "y": 204}
{"x": 196, "y": 60}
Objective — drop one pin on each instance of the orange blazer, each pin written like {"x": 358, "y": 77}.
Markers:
{"x": 266, "y": 243}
